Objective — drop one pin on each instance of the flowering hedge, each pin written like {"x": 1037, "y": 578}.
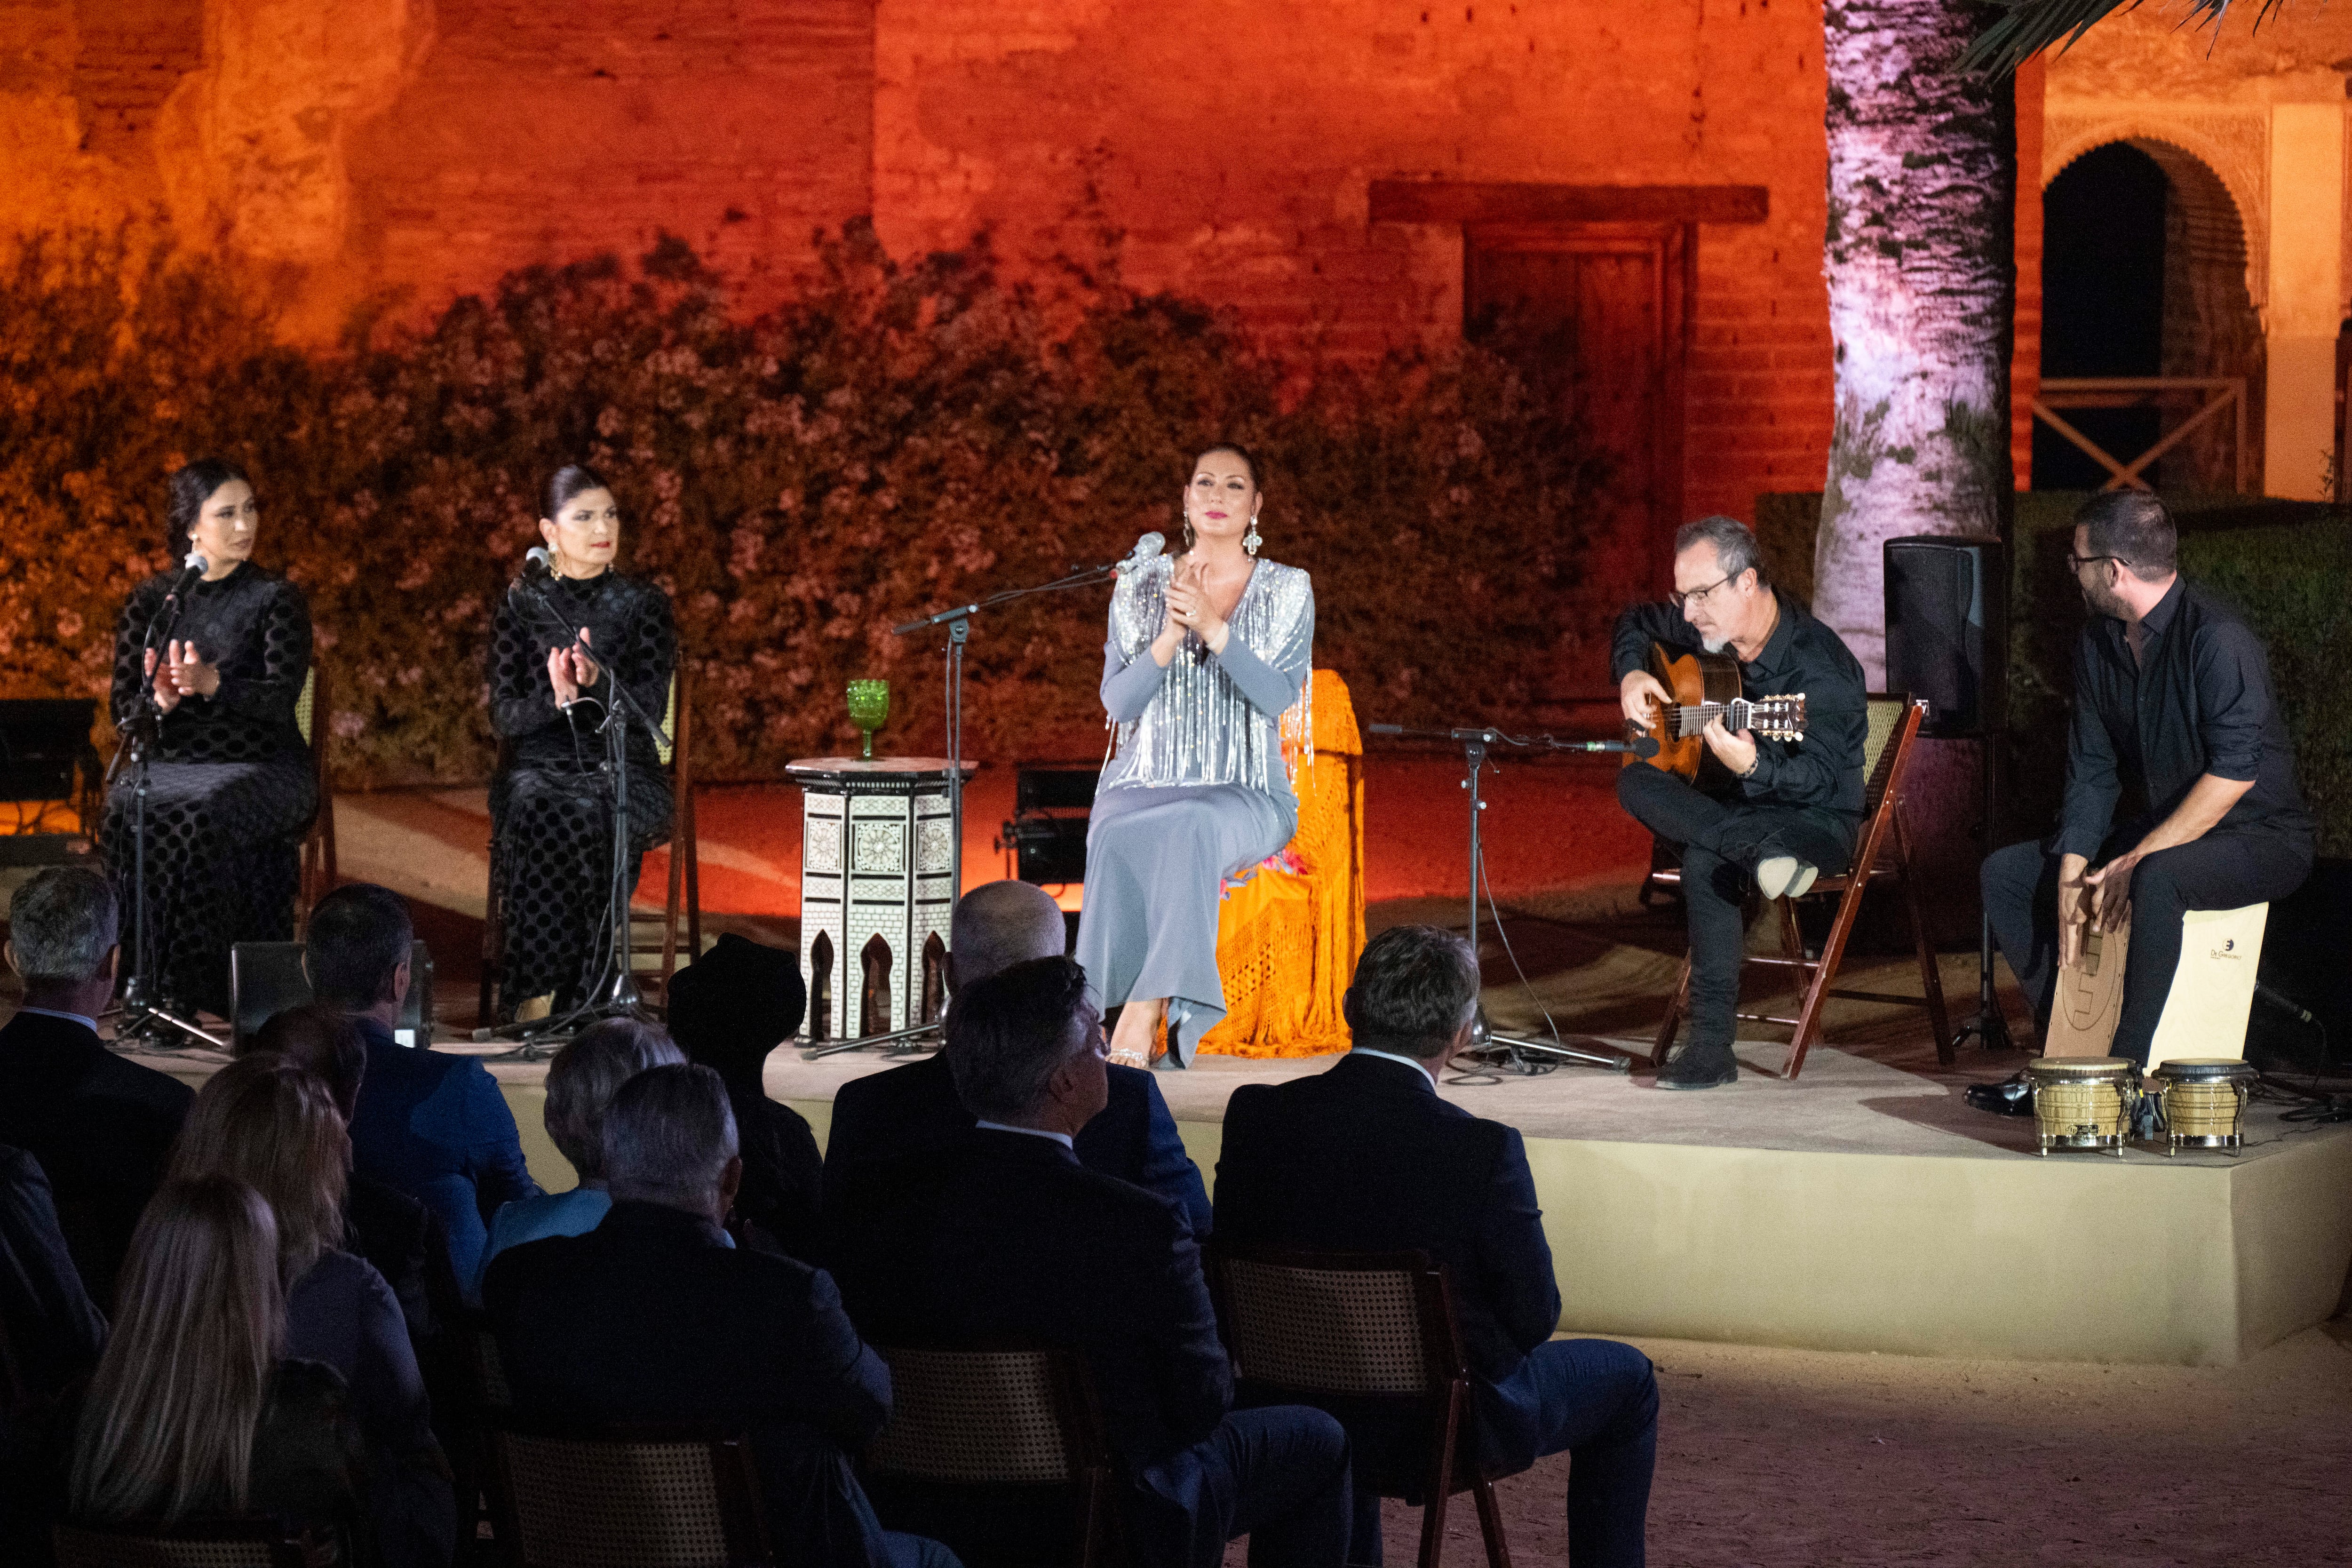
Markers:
{"x": 897, "y": 438}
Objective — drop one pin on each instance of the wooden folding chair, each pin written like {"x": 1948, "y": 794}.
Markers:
{"x": 681, "y": 915}
{"x": 679, "y": 924}
{"x": 1366, "y": 1330}
{"x": 1883, "y": 854}
{"x": 1000, "y": 1418}
{"x": 234, "y": 1542}
{"x": 647, "y": 1497}
{"x": 314, "y": 714}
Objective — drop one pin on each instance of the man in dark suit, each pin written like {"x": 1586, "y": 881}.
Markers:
{"x": 728, "y": 1010}
{"x": 434, "y": 1126}
{"x": 1367, "y": 1158}
{"x": 101, "y": 1127}
{"x": 657, "y": 1316}
{"x": 53, "y": 1331}
{"x": 913, "y": 1109}
{"x": 1004, "y": 1238}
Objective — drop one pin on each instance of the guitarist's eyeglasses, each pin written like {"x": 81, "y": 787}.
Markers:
{"x": 2076, "y": 562}
{"x": 1697, "y": 596}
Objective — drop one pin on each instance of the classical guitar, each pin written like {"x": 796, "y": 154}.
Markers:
{"x": 1706, "y": 686}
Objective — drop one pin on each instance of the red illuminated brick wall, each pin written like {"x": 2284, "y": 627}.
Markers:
{"x": 1233, "y": 144}
{"x": 2025, "y": 370}
{"x": 543, "y": 133}
{"x": 129, "y": 55}
{"x": 1229, "y": 143}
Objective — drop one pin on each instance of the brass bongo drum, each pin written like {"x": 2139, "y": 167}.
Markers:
{"x": 2082, "y": 1102}
{"x": 2204, "y": 1102}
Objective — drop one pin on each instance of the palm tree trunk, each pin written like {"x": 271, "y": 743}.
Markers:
{"x": 1920, "y": 255}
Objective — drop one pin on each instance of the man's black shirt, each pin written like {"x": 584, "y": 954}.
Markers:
{"x": 1825, "y": 769}
{"x": 2197, "y": 700}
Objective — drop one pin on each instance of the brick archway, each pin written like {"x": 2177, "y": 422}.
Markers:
{"x": 2217, "y": 163}
{"x": 2215, "y": 270}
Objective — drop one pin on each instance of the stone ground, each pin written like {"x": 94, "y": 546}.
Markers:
{"x": 1783, "y": 1458}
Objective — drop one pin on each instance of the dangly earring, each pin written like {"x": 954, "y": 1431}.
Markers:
{"x": 1250, "y": 541}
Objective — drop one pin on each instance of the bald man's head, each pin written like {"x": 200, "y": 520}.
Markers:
{"x": 999, "y": 924}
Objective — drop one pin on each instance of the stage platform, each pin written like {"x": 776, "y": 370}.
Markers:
{"x": 1863, "y": 1208}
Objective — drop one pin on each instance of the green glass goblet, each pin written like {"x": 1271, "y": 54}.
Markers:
{"x": 869, "y": 709}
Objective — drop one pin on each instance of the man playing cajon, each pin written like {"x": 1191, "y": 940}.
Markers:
{"x": 2181, "y": 791}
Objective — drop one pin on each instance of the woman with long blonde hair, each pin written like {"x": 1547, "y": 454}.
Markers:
{"x": 274, "y": 1125}
{"x": 193, "y": 1409}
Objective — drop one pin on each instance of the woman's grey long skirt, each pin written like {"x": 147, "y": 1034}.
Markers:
{"x": 1157, "y": 860}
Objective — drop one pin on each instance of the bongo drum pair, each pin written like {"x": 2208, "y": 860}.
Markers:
{"x": 2086, "y": 1102}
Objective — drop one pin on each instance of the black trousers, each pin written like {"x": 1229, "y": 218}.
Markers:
{"x": 1597, "y": 1400}
{"x": 2219, "y": 871}
{"x": 1721, "y": 845}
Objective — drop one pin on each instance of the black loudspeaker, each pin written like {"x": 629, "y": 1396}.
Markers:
{"x": 42, "y": 741}
{"x": 1948, "y": 630}
{"x": 265, "y": 978}
{"x": 1048, "y": 834}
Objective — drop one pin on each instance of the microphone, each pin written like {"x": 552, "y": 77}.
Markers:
{"x": 1149, "y": 545}
{"x": 193, "y": 567}
{"x": 538, "y": 562}
{"x": 1645, "y": 747}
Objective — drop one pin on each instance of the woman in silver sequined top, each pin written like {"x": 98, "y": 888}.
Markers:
{"x": 1205, "y": 676}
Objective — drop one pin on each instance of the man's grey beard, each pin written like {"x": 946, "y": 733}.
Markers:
{"x": 1713, "y": 645}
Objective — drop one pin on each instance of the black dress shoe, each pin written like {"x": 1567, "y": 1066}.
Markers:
{"x": 1700, "y": 1067}
{"x": 2011, "y": 1097}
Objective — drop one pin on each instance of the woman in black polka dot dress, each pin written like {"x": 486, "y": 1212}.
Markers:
{"x": 229, "y": 790}
{"x": 551, "y": 808}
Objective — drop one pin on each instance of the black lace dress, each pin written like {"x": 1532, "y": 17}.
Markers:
{"x": 229, "y": 791}
{"x": 551, "y": 806}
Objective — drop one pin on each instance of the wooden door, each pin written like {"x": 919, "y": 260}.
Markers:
{"x": 1599, "y": 312}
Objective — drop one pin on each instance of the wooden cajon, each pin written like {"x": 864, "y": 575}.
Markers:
{"x": 2205, "y": 1012}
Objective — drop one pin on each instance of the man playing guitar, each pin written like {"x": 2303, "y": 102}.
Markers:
{"x": 1784, "y": 811}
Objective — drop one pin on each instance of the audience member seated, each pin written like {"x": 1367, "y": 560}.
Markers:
{"x": 913, "y": 1110}
{"x": 655, "y": 1316}
{"x": 1367, "y": 1158}
{"x": 580, "y": 1083}
{"x": 50, "y": 1331}
{"x": 196, "y": 1408}
{"x": 728, "y": 1010}
{"x": 1004, "y": 1240}
{"x": 434, "y": 1126}
{"x": 400, "y": 1235}
{"x": 50, "y": 1335}
{"x": 272, "y": 1125}
{"x": 101, "y": 1127}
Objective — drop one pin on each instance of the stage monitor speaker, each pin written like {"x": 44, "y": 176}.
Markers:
{"x": 265, "y": 978}
{"x": 42, "y": 741}
{"x": 1948, "y": 630}
{"x": 1048, "y": 834}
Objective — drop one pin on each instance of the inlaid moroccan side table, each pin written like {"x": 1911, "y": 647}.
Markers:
{"x": 876, "y": 892}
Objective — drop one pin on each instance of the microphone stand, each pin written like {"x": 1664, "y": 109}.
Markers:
{"x": 1475, "y": 743}
{"x": 1989, "y": 1025}
{"x": 958, "y": 622}
{"x": 614, "y": 993}
{"x": 141, "y": 1017}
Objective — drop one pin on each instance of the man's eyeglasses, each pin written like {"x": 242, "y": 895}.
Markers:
{"x": 2076, "y": 562}
{"x": 1697, "y": 596}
